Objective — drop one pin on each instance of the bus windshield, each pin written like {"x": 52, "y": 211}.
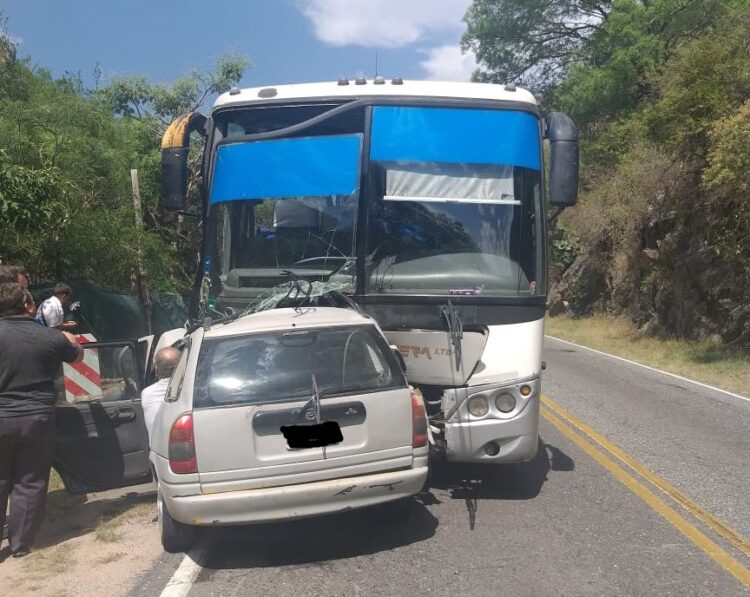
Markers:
{"x": 455, "y": 211}
{"x": 287, "y": 205}
{"x": 450, "y": 203}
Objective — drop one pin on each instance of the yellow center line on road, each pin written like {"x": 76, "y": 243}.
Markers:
{"x": 706, "y": 518}
{"x": 716, "y": 553}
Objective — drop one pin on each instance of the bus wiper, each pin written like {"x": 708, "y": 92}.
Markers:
{"x": 455, "y": 330}
{"x": 334, "y": 293}
{"x": 295, "y": 284}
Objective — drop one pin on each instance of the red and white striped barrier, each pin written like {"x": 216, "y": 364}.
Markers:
{"x": 83, "y": 379}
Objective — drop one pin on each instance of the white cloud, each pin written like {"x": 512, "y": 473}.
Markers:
{"x": 447, "y": 63}
{"x": 382, "y": 23}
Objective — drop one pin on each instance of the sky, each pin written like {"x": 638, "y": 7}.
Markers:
{"x": 288, "y": 41}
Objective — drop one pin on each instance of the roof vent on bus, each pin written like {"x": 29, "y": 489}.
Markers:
{"x": 234, "y": 91}
{"x": 397, "y": 81}
{"x": 343, "y": 81}
{"x": 379, "y": 80}
{"x": 268, "y": 92}
{"x": 360, "y": 80}
{"x": 510, "y": 87}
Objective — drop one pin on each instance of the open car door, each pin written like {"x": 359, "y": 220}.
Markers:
{"x": 102, "y": 441}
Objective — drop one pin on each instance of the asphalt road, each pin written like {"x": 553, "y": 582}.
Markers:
{"x": 578, "y": 520}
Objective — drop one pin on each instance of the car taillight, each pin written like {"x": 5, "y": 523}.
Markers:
{"x": 418, "y": 421}
{"x": 182, "y": 459}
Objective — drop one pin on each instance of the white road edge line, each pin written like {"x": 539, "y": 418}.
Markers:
{"x": 183, "y": 578}
{"x": 697, "y": 383}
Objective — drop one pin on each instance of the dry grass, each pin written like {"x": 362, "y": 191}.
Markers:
{"x": 109, "y": 529}
{"x": 114, "y": 557}
{"x": 55, "y": 482}
{"x": 49, "y": 562}
{"x": 704, "y": 360}
{"x": 99, "y": 544}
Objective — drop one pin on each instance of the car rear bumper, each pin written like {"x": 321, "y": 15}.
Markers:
{"x": 293, "y": 501}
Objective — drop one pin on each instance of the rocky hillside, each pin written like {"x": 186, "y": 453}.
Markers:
{"x": 661, "y": 93}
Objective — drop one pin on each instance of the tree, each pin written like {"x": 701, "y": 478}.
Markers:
{"x": 531, "y": 42}
{"x": 145, "y": 110}
{"x": 137, "y": 98}
{"x": 65, "y": 154}
{"x": 592, "y": 59}
{"x": 728, "y": 179}
{"x": 659, "y": 91}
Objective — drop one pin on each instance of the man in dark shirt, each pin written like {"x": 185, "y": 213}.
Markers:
{"x": 30, "y": 359}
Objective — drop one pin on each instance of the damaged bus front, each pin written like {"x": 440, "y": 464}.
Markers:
{"x": 423, "y": 203}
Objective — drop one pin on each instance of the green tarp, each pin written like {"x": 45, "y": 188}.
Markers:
{"x": 117, "y": 315}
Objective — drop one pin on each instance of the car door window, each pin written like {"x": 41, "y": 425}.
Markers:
{"x": 106, "y": 374}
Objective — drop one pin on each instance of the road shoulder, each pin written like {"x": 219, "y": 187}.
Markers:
{"x": 97, "y": 544}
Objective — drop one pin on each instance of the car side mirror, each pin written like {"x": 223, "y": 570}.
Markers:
{"x": 175, "y": 146}
{"x": 563, "y": 175}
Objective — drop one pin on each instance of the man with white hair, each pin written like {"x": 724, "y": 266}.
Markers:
{"x": 152, "y": 397}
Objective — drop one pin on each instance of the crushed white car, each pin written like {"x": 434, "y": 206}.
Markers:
{"x": 285, "y": 414}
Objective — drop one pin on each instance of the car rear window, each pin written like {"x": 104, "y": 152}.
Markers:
{"x": 279, "y": 366}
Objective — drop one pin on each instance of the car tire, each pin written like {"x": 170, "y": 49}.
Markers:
{"x": 175, "y": 536}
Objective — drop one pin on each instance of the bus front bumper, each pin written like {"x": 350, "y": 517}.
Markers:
{"x": 493, "y": 440}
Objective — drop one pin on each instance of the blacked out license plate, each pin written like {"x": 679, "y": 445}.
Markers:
{"x": 312, "y": 436}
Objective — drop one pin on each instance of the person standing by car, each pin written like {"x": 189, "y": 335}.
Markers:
{"x": 152, "y": 397}
{"x": 16, "y": 274}
{"x": 13, "y": 273}
{"x": 52, "y": 311}
{"x": 30, "y": 360}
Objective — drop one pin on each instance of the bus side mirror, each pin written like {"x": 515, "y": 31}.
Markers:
{"x": 175, "y": 146}
{"x": 563, "y": 176}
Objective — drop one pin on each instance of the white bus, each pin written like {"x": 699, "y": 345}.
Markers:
{"x": 423, "y": 202}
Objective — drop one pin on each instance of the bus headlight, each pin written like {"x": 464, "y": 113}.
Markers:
{"x": 505, "y": 402}
{"x": 478, "y": 406}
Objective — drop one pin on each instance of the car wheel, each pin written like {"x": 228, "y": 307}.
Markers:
{"x": 175, "y": 536}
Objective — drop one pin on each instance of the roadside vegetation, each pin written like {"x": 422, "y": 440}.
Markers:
{"x": 66, "y": 152}
{"x": 707, "y": 360}
{"x": 659, "y": 90}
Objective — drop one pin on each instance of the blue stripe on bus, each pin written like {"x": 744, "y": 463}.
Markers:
{"x": 287, "y": 168}
{"x": 455, "y": 135}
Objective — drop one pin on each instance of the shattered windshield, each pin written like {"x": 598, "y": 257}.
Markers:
{"x": 286, "y": 205}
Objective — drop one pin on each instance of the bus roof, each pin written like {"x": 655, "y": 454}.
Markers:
{"x": 333, "y": 89}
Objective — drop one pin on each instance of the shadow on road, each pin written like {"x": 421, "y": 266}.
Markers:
{"x": 313, "y": 542}
{"x": 317, "y": 540}
{"x": 474, "y": 482}
{"x": 500, "y": 482}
